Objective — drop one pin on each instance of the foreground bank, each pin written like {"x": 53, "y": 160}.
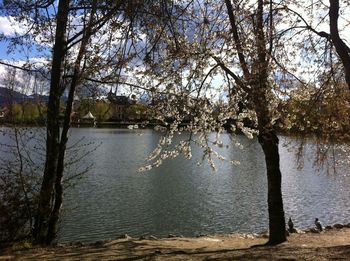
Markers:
{"x": 330, "y": 244}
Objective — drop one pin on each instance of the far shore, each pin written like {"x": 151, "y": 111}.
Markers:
{"x": 332, "y": 243}
{"x": 91, "y": 124}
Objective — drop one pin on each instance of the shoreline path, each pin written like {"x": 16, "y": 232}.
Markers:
{"x": 331, "y": 244}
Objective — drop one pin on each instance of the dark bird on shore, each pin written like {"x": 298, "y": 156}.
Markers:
{"x": 290, "y": 224}
{"x": 291, "y": 228}
{"x": 318, "y": 224}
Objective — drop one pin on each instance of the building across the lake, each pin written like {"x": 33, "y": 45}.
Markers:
{"x": 118, "y": 106}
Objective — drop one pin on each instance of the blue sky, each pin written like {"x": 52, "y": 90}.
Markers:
{"x": 13, "y": 56}
{"x": 19, "y": 55}
{"x": 7, "y": 28}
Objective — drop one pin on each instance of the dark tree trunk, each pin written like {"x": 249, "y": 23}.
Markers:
{"x": 46, "y": 197}
{"x": 269, "y": 142}
{"x": 53, "y": 222}
{"x": 54, "y": 217}
{"x": 277, "y": 227}
{"x": 267, "y": 136}
{"x": 257, "y": 79}
{"x": 342, "y": 49}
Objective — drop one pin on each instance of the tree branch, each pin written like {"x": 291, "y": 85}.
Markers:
{"x": 236, "y": 38}
{"x": 237, "y": 79}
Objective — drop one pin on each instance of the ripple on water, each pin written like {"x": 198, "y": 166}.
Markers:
{"x": 182, "y": 198}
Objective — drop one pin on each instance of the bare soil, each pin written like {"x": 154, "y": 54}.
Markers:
{"x": 333, "y": 244}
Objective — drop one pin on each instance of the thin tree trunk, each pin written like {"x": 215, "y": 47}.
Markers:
{"x": 54, "y": 217}
{"x": 53, "y": 222}
{"x": 46, "y": 196}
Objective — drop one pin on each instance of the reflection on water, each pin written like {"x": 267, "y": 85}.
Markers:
{"x": 180, "y": 197}
{"x": 309, "y": 193}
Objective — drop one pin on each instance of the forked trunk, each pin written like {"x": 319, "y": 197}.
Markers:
{"x": 54, "y": 218}
{"x": 47, "y": 192}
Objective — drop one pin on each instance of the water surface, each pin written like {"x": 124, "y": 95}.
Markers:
{"x": 180, "y": 197}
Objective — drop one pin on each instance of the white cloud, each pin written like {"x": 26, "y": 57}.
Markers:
{"x": 2, "y": 70}
{"x": 25, "y": 81}
{"x": 8, "y": 26}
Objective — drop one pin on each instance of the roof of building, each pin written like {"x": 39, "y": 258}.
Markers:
{"x": 89, "y": 116}
{"x": 118, "y": 99}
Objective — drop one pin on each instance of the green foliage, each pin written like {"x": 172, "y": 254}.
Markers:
{"x": 102, "y": 110}
{"x": 28, "y": 112}
{"x": 33, "y": 111}
{"x": 85, "y": 105}
{"x": 138, "y": 112}
{"x": 16, "y": 112}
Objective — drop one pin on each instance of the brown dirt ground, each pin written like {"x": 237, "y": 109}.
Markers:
{"x": 333, "y": 244}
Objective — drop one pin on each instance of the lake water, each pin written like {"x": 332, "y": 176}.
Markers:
{"x": 179, "y": 197}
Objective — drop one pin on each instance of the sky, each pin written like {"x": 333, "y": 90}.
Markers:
{"x": 8, "y": 28}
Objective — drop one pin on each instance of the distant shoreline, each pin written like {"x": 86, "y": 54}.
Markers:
{"x": 107, "y": 124}
{"x": 81, "y": 125}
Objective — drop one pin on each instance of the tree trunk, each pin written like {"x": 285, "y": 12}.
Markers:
{"x": 267, "y": 135}
{"x": 269, "y": 142}
{"x": 257, "y": 78}
{"x": 58, "y": 199}
{"x": 54, "y": 217}
{"x": 342, "y": 49}
{"x": 277, "y": 227}
{"x": 46, "y": 197}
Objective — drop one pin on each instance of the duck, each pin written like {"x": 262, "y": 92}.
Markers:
{"x": 318, "y": 224}
{"x": 290, "y": 224}
{"x": 291, "y": 228}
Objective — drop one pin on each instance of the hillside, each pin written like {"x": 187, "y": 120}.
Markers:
{"x": 7, "y": 96}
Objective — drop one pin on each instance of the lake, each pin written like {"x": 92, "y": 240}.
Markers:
{"x": 180, "y": 197}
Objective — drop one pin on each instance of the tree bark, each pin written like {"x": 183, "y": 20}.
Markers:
{"x": 342, "y": 49}
{"x": 277, "y": 227}
{"x": 267, "y": 136}
{"x": 269, "y": 142}
{"x": 53, "y": 222}
{"x": 257, "y": 80}
{"x": 46, "y": 197}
